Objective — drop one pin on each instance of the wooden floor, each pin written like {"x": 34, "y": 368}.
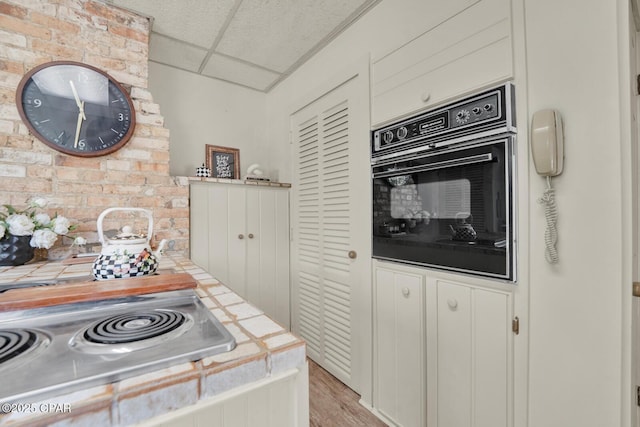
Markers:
{"x": 333, "y": 404}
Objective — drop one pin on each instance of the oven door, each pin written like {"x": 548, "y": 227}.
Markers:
{"x": 450, "y": 209}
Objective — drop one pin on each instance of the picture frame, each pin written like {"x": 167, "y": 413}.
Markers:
{"x": 223, "y": 162}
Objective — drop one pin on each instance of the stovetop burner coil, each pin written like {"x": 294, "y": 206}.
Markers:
{"x": 130, "y": 331}
{"x": 14, "y": 342}
{"x": 19, "y": 342}
{"x": 136, "y": 326}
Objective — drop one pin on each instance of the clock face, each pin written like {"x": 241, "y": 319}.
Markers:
{"x": 76, "y": 108}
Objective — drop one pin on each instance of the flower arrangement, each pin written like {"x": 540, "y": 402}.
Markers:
{"x": 43, "y": 229}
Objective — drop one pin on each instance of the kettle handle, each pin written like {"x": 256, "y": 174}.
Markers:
{"x": 104, "y": 213}
{"x": 461, "y": 217}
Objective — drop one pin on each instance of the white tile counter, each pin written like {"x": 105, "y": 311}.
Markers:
{"x": 264, "y": 349}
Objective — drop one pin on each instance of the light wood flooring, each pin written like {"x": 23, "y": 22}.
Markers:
{"x": 333, "y": 404}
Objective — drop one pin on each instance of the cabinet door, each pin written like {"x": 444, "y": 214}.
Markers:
{"x": 331, "y": 245}
{"x": 237, "y": 236}
{"x": 199, "y": 223}
{"x": 469, "y": 50}
{"x": 399, "y": 358}
{"x": 473, "y": 356}
{"x": 209, "y": 235}
{"x": 267, "y": 280}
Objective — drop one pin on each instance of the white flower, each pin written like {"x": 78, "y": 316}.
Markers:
{"x": 79, "y": 241}
{"x": 2, "y": 230}
{"x": 42, "y": 219}
{"x": 20, "y": 225}
{"x": 61, "y": 225}
{"x": 43, "y": 239}
{"x": 39, "y": 202}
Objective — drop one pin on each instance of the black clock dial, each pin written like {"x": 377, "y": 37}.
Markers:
{"x": 76, "y": 109}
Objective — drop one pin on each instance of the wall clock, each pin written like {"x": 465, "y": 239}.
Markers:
{"x": 76, "y": 108}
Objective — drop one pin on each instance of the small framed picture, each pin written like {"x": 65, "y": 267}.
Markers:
{"x": 223, "y": 162}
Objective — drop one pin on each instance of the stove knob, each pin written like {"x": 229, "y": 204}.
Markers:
{"x": 462, "y": 116}
{"x": 387, "y": 136}
{"x": 488, "y": 107}
{"x": 402, "y": 132}
{"x": 476, "y": 110}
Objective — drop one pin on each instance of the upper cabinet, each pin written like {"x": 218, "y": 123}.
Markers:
{"x": 465, "y": 45}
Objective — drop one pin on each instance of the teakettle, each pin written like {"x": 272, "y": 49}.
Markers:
{"x": 462, "y": 230}
{"x": 127, "y": 254}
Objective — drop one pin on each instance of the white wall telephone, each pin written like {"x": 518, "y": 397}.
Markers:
{"x": 547, "y": 149}
{"x": 547, "y": 142}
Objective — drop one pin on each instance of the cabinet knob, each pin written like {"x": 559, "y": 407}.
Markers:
{"x": 452, "y": 303}
{"x": 250, "y": 235}
{"x": 353, "y": 254}
{"x": 240, "y": 236}
{"x": 406, "y": 292}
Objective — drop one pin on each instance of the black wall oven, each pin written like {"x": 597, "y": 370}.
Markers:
{"x": 443, "y": 186}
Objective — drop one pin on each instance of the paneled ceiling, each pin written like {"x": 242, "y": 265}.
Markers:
{"x": 253, "y": 43}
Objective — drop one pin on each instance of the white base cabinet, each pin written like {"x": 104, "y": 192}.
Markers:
{"x": 443, "y": 350}
{"x": 470, "y": 359}
{"x": 240, "y": 235}
{"x": 278, "y": 401}
{"x": 399, "y": 356}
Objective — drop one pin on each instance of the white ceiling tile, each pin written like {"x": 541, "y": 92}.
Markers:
{"x": 225, "y": 68}
{"x": 195, "y": 21}
{"x": 171, "y": 52}
{"x": 275, "y": 34}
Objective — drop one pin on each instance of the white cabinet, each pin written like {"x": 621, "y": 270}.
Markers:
{"x": 240, "y": 234}
{"x": 442, "y": 350}
{"x": 276, "y": 401}
{"x": 470, "y": 357}
{"x": 470, "y": 46}
{"x": 399, "y": 347}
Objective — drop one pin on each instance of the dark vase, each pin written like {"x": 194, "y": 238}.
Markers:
{"x": 15, "y": 250}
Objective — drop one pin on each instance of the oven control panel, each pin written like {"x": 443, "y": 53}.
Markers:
{"x": 491, "y": 109}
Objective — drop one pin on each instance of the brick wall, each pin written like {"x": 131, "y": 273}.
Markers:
{"x": 37, "y": 31}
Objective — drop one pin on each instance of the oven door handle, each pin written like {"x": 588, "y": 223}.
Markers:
{"x": 479, "y": 158}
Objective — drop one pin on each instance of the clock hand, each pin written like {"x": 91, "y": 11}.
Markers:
{"x": 81, "y": 118}
{"x": 78, "y": 102}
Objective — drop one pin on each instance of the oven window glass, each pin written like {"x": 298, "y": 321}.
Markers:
{"x": 450, "y": 210}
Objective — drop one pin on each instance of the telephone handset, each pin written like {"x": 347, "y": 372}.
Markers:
{"x": 547, "y": 142}
{"x": 547, "y": 149}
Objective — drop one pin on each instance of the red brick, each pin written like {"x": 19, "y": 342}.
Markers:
{"x": 58, "y": 25}
{"x": 108, "y": 64}
{"x": 57, "y": 50}
{"x": 12, "y": 10}
{"x": 22, "y": 186}
{"x": 11, "y": 66}
{"x": 8, "y": 23}
{"x": 128, "y": 33}
{"x": 95, "y": 8}
{"x": 78, "y": 162}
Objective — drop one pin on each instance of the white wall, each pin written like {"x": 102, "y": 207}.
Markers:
{"x": 576, "y": 322}
{"x": 373, "y": 36}
{"x": 200, "y": 111}
{"x": 576, "y": 306}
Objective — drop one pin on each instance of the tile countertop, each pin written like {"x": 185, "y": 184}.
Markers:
{"x": 264, "y": 348}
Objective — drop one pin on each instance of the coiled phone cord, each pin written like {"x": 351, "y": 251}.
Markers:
{"x": 551, "y": 215}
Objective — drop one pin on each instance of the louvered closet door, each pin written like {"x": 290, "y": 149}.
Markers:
{"x": 331, "y": 217}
